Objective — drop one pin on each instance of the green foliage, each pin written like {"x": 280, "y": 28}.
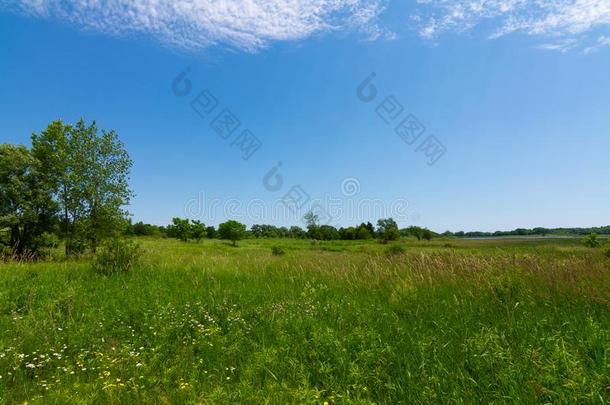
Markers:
{"x": 387, "y": 229}
{"x": 184, "y": 229}
{"x": 277, "y": 251}
{"x": 88, "y": 172}
{"x": 116, "y": 256}
{"x": 210, "y": 232}
{"x": 48, "y": 240}
{"x": 362, "y": 232}
{"x": 311, "y": 219}
{"x": 608, "y": 253}
{"x": 414, "y": 231}
{"x": 197, "y": 230}
{"x": 395, "y": 250}
{"x": 232, "y": 230}
{"x": 591, "y": 241}
{"x": 179, "y": 229}
{"x": 142, "y": 229}
{"x": 297, "y": 232}
{"x": 427, "y": 234}
{"x": 26, "y": 206}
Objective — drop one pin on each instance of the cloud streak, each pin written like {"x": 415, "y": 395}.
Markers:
{"x": 250, "y": 25}
{"x": 566, "y": 22}
{"x": 193, "y": 24}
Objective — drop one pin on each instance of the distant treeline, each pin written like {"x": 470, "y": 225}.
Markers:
{"x": 602, "y": 230}
{"x": 185, "y": 229}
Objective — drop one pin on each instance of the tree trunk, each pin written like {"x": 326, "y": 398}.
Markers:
{"x": 15, "y": 238}
{"x": 67, "y": 241}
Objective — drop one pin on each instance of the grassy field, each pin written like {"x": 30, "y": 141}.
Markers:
{"x": 445, "y": 322}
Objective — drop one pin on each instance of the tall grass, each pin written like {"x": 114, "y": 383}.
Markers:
{"x": 332, "y": 322}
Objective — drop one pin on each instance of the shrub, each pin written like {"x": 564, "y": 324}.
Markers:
{"x": 6, "y": 253}
{"x": 116, "y": 256}
{"x": 608, "y": 253}
{"x": 395, "y": 250}
{"x": 277, "y": 251}
{"x": 591, "y": 241}
{"x": 232, "y": 230}
{"x": 49, "y": 240}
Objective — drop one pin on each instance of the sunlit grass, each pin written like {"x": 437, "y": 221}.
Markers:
{"x": 447, "y": 321}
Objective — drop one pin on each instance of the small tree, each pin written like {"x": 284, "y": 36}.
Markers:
{"x": 387, "y": 230}
{"x": 179, "y": 229}
{"x": 210, "y": 232}
{"x": 415, "y": 231}
{"x": 197, "y": 230}
{"x": 232, "y": 230}
{"x": 313, "y": 227}
{"x": 364, "y": 232}
{"x": 591, "y": 241}
{"x": 427, "y": 234}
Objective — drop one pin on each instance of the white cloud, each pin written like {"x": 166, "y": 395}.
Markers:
{"x": 243, "y": 24}
{"x": 602, "y": 41}
{"x": 250, "y": 25}
{"x": 564, "y": 21}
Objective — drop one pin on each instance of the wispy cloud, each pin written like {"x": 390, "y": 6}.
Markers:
{"x": 560, "y": 25}
{"x": 602, "y": 42}
{"x": 243, "y": 24}
{"x": 566, "y": 22}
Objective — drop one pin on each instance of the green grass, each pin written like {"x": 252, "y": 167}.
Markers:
{"x": 505, "y": 321}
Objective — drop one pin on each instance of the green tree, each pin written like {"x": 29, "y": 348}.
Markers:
{"x": 427, "y": 234}
{"x": 591, "y": 241}
{"x": 232, "y": 230}
{"x": 53, "y": 149}
{"x": 179, "y": 229}
{"x": 297, "y": 232}
{"x": 210, "y": 232}
{"x": 89, "y": 172}
{"x": 198, "y": 230}
{"x": 364, "y": 232}
{"x": 26, "y": 205}
{"x": 105, "y": 180}
{"x": 415, "y": 231}
{"x": 313, "y": 227}
{"x": 387, "y": 230}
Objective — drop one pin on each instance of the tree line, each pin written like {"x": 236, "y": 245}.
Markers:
{"x": 72, "y": 183}
{"x": 184, "y": 229}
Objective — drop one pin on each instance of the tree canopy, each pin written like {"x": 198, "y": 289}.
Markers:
{"x": 74, "y": 176}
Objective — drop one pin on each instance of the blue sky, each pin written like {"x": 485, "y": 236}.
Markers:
{"x": 517, "y": 93}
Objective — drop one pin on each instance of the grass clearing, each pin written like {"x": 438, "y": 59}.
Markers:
{"x": 485, "y": 321}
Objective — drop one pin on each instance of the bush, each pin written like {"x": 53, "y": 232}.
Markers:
{"x": 6, "y": 253}
{"x": 277, "y": 251}
{"x": 608, "y": 253}
{"x": 116, "y": 256}
{"x": 395, "y": 250}
{"x": 49, "y": 240}
{"x": 591, "y": 241}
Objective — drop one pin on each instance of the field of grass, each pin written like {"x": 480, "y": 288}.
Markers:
{"x": 450, "y": 321}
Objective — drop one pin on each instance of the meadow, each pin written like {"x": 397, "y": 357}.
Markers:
{"x": 447, "y": 321}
